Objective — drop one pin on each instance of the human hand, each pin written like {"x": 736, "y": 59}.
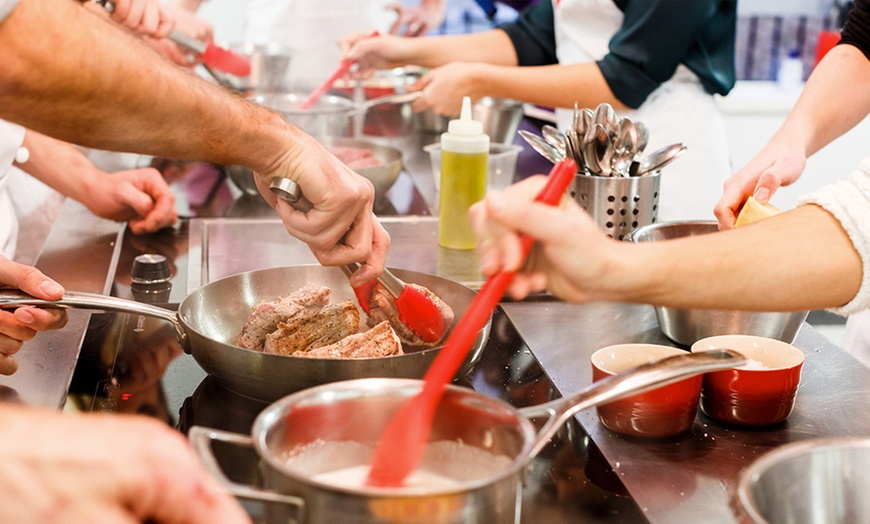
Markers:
{"x": 23, "y": 323}
{"x": 373, "y": 53}
{"x": 571, "y": 253}
{"x": 138, "y": 196}
{"x": 340, "y": 228}
{"x": 63, "y": 467}
{"x": 145, "y": 17}
{"x": 444, "y": 87}
{"x": 417, "y": 20}
{"x": 780, "y": 163}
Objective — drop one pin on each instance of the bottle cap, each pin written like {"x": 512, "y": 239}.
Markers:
{"x": 465, "y": 124}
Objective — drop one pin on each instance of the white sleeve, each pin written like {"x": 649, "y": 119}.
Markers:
{"x": 6, "y": 7}
{"x": 849, "y": 202}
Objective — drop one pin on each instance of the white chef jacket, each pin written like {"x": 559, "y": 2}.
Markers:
{"x": 680, "y": 110}
{"x": 6, "y": 7}
{"x": 11, "y": 138}
{"x": 311, "y": 29}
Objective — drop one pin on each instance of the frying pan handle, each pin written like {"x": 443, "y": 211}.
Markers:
{"x": 627, "y": 383}
{"x": 13, "y": 298}
{"x": 201, "y": 439}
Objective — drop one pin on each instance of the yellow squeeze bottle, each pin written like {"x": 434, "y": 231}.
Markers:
{"x": 464, "y": 152}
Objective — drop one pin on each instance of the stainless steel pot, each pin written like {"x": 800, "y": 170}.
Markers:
{"x": 210, "y": 318}
{"x": 331, "y": 116}
{"x": 357, "y": 412}
{"x": 819, "y": 481}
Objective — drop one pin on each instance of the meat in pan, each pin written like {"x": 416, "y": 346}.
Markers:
{"x": 265, "y": 316}
{"x": 379, "y": 341}
{"x": 308, "y": 331}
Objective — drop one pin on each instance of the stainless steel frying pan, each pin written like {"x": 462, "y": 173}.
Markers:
{"x": 210, "y": 318}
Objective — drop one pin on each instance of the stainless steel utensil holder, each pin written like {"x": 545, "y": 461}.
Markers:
{"x": 619, "y": 205}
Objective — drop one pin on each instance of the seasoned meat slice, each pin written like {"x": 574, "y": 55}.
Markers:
{"x": 383, "y": 307}
{"x": 265, "y": 316}
{"x": 308, "y": 331}
{"x": 379, "y": 341}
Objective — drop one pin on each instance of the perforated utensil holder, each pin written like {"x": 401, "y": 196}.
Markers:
{"x": 619, "y": 205}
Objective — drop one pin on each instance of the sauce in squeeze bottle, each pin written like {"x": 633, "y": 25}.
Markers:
{"x": 464, "y": 152}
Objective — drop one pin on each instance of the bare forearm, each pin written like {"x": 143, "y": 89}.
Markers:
{"x": 57, "y": 164}
{"x": 799, "y": 260}
{"x": 552, "y": 86}
{"x": 100, "y": 87}
{"x": 834, "y": 100}
{"x": 488, "y": 47}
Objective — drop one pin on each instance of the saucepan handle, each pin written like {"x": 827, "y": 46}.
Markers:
{"x": 13, "y": 298}
{"x": 201, "y": 438}
{"x": 626, "y": 383}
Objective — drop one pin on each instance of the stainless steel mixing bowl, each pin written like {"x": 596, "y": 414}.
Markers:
{"x": 819, "y": 481}
{"x": 687, "y": 326}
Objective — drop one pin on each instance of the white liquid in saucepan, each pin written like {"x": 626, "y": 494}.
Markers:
{"x": 345, "y": 464}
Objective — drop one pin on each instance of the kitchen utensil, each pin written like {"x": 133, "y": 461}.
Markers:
{"x": 414, "y": 309}
{"x": 604, "y": 150}
{"x": 686, "y": 326}
{"x": 212, "y": 55}
{"x": 555, "y": 138}
{"x": 663, "y": 412}
{"x": 342, "y": 69}
{"x": 350, "y": 416}
{"x": 813, "y": 481}
{"x": 209, "y": 319}
{"x": 575, "y": 150}
{"x": 760, "y": 393}
{"x": 660, "y": 158}
{"x": 401, "y": 446}
{"x": 327, "y": 118}
{"x": 542, "y": 146}
{"x": 642, "y": 137}
{"x": 591, "y": 147}
{"x": 500, "y": 117}
{"x": 397, "y": 98}
{"x": 619, "y": 205}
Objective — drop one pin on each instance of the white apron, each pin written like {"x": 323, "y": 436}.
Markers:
{"x": 311, "y": 29}
{"x": 678, "y": 111}
{"x": 11, "y": 137}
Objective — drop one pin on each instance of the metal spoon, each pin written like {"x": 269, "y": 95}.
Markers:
{"x": 554, "y": 137}
{"x": 659, "y": 159}
{"x": 542, "y": 146}
{"x": 642, "y": 137}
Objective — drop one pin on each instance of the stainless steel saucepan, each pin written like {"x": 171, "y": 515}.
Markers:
{"x": 209, "y": 319}
{"x": 478, "y": 444}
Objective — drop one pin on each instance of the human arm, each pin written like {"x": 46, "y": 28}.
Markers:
{"x": 64, "y": 467}
{"x": 419, "y": 19}
{"x": 799, "y": 260}
{"x": 834, "y": 100}
{"x": 139, "y": 196}
{"x": 22, "y": 324}
{"x": 125, "y": 98}
{"x": 144, "y": 17}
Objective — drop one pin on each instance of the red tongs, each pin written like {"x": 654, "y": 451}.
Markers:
{"x": 402, "y": 444}
{"x": 342, "y": 69}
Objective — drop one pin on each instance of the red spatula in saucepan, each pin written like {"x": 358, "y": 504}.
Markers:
{"x": 342, "y": 69}
{"x": 402, "y": 444}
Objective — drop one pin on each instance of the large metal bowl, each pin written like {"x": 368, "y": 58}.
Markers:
{"x": 501, "y": 119}
{"x": 382, "y": 177}
{"x": 687, "y": 326}
{"x": 820, "y": 481}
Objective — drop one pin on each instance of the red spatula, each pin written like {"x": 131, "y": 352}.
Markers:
{"x": 213, "y": 55}
{"x": 342, "y": 69}
{"x": 402, "y": 444}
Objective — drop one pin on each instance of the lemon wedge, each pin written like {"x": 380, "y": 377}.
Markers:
{"x": 753, "y": 211}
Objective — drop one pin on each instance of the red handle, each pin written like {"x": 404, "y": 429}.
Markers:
{"x": 343, "y": 68}
{"x": 453, "y": 353}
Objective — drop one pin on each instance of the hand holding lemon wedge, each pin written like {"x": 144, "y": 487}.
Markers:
{"x": 753, "y": 211}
